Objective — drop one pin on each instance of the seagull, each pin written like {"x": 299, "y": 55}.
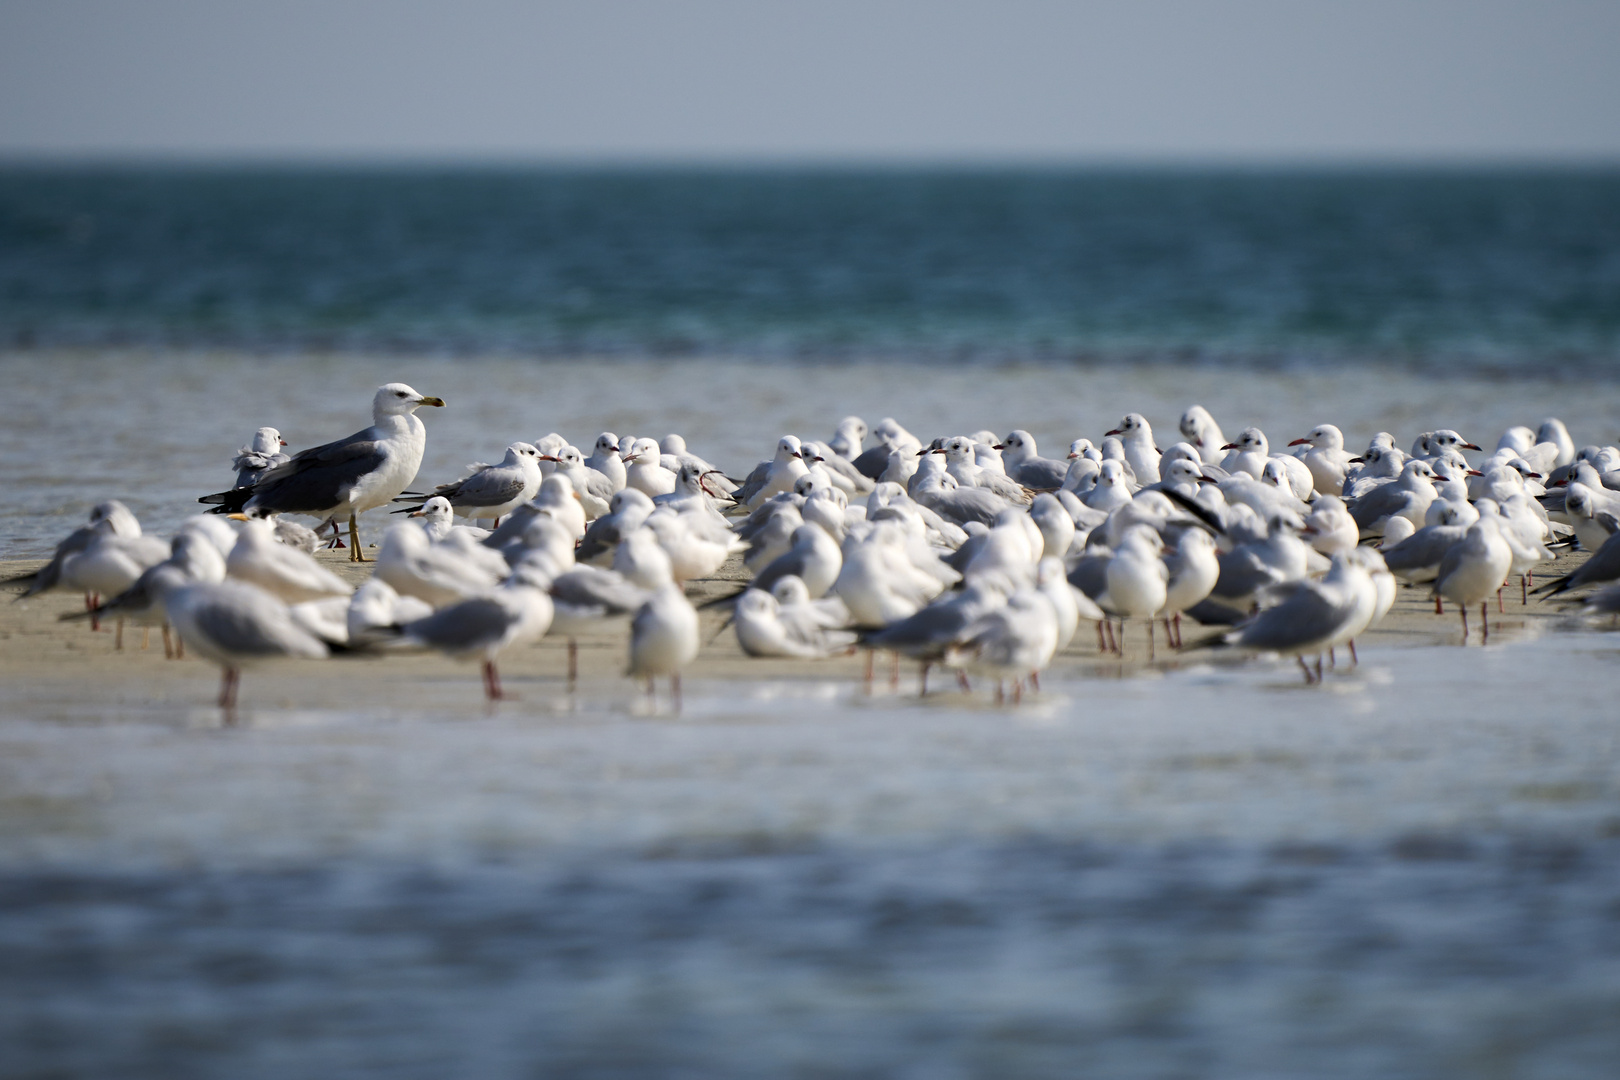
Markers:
{"x": 663, "y": 638}
{"x": 235, "y": 624}
{"x": 879, "y": 583}
{"x": 646, "y": 472}
{"x": 1137, "y": 579}
{"x": 595, "y": 489}
{"x": 291, "y": 575}
{"x": 193, "y": 558}
{"x": 891, "y": 439}
{"x": 961, "y": 463}
{"x": 773, "y": 477}
{"x": 813, "y": 557}
{"x": 352, "y": 475}
{"x": 761, "y": 631}
{"x": 437, "y": 573}
{"x": 627, "y": 512}
{"x": 1249, "y": 453}
{"x": 1013, "y": 641}
{"x": 516, "y": 612}
{"x": 112, "y": 517}
{"x": 1473, "y": 569}
{"x": 1315, "y": 617}
{"x": 846, "y": 441}
{"x": 1199, "y": 428}
{"x": 437, "y": 521}
{"x": 1408, "y": 496}
{"x": 262, "y": 452}
{"x": 606, "y": 459}
{"x": 376, "y": 611}
{"x": 1327, "y": 459}
{"x": 1025, "y": 465}
{"x": 1140, "y": 453}
{"x": 490, "y": 491}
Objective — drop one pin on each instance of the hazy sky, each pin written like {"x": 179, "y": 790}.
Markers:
{"x": 819, "y": 79}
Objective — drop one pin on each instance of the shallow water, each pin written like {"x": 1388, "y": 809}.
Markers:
{"x": 1414, "y": 871}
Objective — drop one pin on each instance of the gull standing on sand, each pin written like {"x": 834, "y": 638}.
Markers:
{"x": 1473, "y": 569}
{"x": 479, "y": 628}
{"x": 350, "y": 476}
{"x": 193, "y": 559}
{"x": 490, "y": 492}
{"x": 110, "y": 522}
{"x": 1315, "y": 617}
{"x": 664, "y": 638}
{"x": 235, "y": 624}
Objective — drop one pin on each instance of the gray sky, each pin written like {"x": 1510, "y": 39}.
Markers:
{"x": 819, "y": 79}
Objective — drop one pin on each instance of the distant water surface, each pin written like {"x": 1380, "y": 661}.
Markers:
{"x": 1498, "y": 268}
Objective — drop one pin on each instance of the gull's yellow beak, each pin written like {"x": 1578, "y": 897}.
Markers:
{"x": 432, "y": 401}
{"x": 238, "y": 517}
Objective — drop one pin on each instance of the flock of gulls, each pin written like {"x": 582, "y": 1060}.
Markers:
{"x": 973, "y": 552}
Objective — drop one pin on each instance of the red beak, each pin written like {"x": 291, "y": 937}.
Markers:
{"x": 1230, "y": 446}
{"x": 1300, "y": 442}
{"x": 999, "y": 446}
{"x": 1474, "y": 472}
{"x": 1469, "y": 446}
{"x": 1114, "y": 432}
{"x": 283, "y": 442}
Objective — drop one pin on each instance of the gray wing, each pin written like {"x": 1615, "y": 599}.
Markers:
{"x": 511, "y": 530}
{"x": 314, "y": 481}
{"x": 471, "y": 624}
{"x": 487, "y": 487}
{"x": 1380, "y": 502}
{"x": 590, "y": 586}
{"x": 1604, "y": 565}
{"x": 49, "y": 575}
{"x": 925, "y": 634}
{"x": 1090, "y": 575}
{"x": 1240, "y": 577}
{"x": 791, "y": 562}
{"x": 1042, "y": 474}
{"x": 968, "y": 504}
{"x": 766, "y": 510}
{"x": 871, "y": 463}
{"x": 598, "y": 484}
{"x": 246, "y": 629}
{"x": 1422, "y": 549}
{"x": 1304, "y": 618}
{"x": 755, "y": 481}
{"x": 601, "y": 537}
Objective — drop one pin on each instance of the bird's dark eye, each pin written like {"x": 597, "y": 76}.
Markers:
{"x": 399, "y": 393}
